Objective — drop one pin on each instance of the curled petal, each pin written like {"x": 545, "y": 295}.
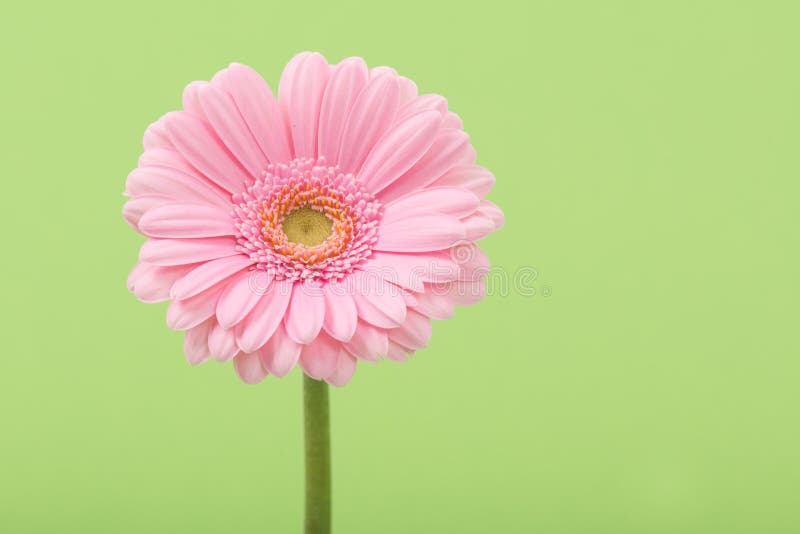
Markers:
{"x": 280, "y": 354}
{"x": 306, "y": 313}
{"x": 249, "y": 368}
{"x": 398, "y": 352}
{"x": 222, "y": 343}
{"x": 341, "y": 316}
{"x": 435, "y": 305}
{"x": 477, "y": 226}
{"x": 368, "y": 342}
{"x": 377, "y": 301}
{"x": 319, "y": 358}
{"x": 188, "y": 313}
{"x": 345, "y": 367}
{"x": 152, "y": 283}
{"x": 490, "y": 210}
{"x": 195, "y": 342}
{"x": 134, "y": 209}
{"x": 415, "y": 332}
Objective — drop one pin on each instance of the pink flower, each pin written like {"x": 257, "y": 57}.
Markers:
{"x": 323, "y": 227}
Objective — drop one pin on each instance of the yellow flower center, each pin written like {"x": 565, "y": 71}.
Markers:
{"x": 307, "y": 226}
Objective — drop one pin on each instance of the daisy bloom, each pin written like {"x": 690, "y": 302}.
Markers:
{"x": 324, "y": 226}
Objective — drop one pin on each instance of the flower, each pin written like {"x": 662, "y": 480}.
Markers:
{"x": 324, "y": 226}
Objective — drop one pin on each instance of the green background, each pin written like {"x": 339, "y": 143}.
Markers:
{"x": 646, "y": 156}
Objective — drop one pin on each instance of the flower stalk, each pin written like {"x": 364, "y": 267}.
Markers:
{"x": 318, "y": 456}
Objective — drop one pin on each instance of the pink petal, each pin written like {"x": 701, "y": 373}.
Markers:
{"x": 195, "y": 342}
{"x": 207, "y": 274}
{"x": 345, "y": 367}
{"x": 190, "y": 99}
{"x": 433, "y": 102}
{"x": 188, "y": 313}
{"x": 472, "y": 261}
{"x": 452, "y": 120}
{"x": 288, "y": 78}
{"x": 410, "y": 298}
{"x": 377, "y": 301}
{"x": 183, "y": 251}
{"x": 155, "y": 136}
{"x": 435, "y": 305}
{"x": 306, "y": 313}
{"x": 420, "y": 234}
{"x": 179, "y": 220}
{"x": 381, "y": 70}
{"x": 286, "y": 87}
{"x": 256, "y": 103}
{"x": 411, "y": 270}
{"x": 454, "y": 201}
{"x": 319, "y": 358}
{"x": 368, "y": 342}
{"x": 172, "y": 159}
{"x": 173, "y": 184}
{"x": 397, "y": 352}
{"x": 134, "y": 209}
{"x": 280, "y": 354}
{"x": 372, "y": 114}
{"x": 450, "y": 148}
{"x": 346, "y": 82}
{"x": 241, "y": 296}
{"x": 477, "y": 226}
{"x": 399, "y": 148}
{"x": 249, "y": 368}
{"x": 415, "y": 332}
{"x": 408, "y": 90}
{"x": 205, "y": 151}
{"x": 476, "y": 179}
{"x": 151, "y": 283}
{"x": 341, "y": 317}
{"x": 231, "y": 128}
{"x": 303, "y": 101}
{"x": 222, "y": 343}
{"x": 256, "y": 329}
{"x": 490, "y": 210}
{"x": 462, "y": 292}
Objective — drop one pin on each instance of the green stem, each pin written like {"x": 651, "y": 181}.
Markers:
{"x": 318, "y": 456}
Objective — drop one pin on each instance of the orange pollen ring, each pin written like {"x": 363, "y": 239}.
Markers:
{"x": 296, "y": 196}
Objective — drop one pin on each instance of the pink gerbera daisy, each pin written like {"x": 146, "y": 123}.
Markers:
{"x": 326, "y": 226}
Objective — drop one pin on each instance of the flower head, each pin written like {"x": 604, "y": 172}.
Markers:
{"x": 325, "y": 226}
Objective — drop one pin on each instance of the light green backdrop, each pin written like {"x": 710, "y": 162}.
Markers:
{"x": 646, "y": 156}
